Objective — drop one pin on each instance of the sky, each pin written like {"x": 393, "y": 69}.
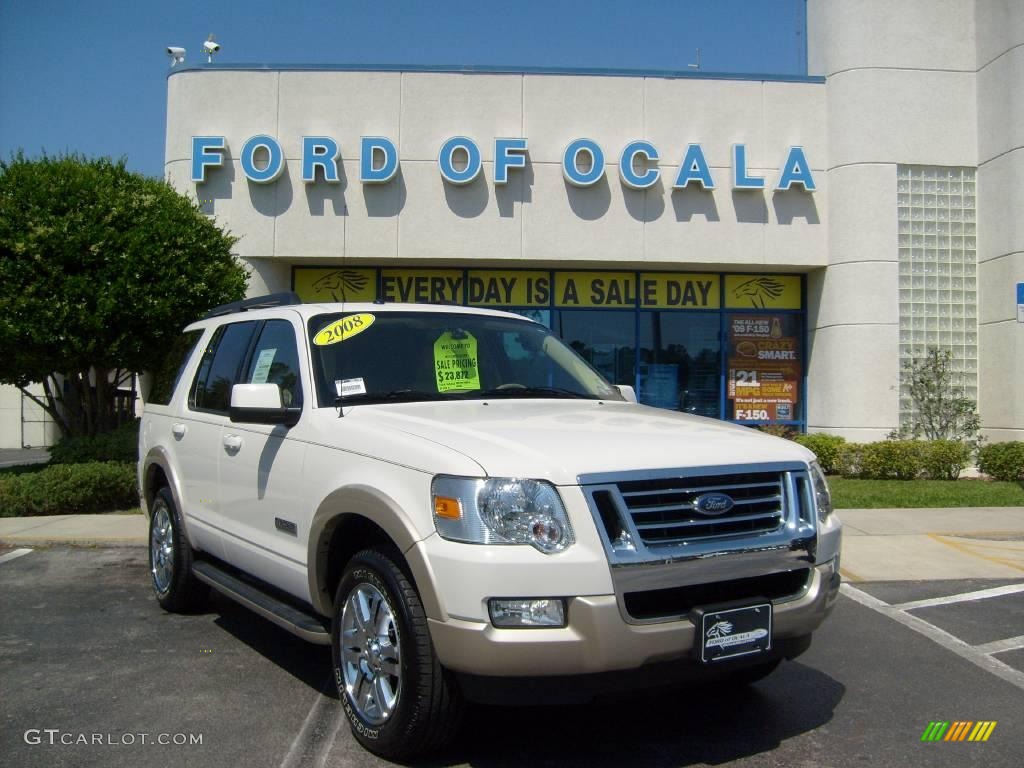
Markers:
{"x": 90, "y": 76}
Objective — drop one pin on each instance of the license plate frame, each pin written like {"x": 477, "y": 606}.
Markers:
{"x": 733, "y": 631}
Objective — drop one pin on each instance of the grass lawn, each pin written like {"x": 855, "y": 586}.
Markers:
{"x": 874, "y": 494}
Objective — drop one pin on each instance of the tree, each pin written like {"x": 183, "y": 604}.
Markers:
{"x": 100, "y": 268}
{"x": 940, "y": 409}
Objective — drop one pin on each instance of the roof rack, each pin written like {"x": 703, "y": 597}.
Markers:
{"x": 256, "y": 302}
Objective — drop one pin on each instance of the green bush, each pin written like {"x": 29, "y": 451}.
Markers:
{"x": 68, "y": 489}
{"x": 121, "y": 444}
{"x": 899, "y": 459}
{"x": 944, "y": 459}
{"x": 826, "y": 447}
{"x": 850, "y": 460}
{"x": 1002, "y": 461}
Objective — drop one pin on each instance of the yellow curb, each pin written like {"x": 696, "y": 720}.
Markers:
{"x": 968, "y": 551}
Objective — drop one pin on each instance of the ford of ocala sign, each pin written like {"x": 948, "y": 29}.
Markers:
{"x": 459, "y": 162}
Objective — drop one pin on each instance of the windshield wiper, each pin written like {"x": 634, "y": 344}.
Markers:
{"x": 535, "y": 392}
{"x": 395, "y": 396}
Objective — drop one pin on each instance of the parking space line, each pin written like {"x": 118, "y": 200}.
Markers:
{"x": 997, "y": 646}
{"x": 938, "y": 636}
{"x": 969, "y": 550}
{"x": 963, "y": 597}
{"x": 313, "y": 742}
{"x": 13, "y": 554}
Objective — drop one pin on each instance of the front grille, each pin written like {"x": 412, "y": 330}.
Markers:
{"x": 678, "y": 601}
{"x": 664, "y": 511}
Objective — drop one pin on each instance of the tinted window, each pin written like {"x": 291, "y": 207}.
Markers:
{"x": 165, "y": 378}
{"x": 218, "y": 370}
{"x": 276, "y": 361}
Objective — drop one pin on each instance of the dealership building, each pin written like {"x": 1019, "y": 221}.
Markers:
{"x": 751, "y": 248}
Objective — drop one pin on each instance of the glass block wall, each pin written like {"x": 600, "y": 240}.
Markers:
{"x": 937, "y": 269}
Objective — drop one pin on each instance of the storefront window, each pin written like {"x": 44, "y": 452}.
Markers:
{"x": 765, "y": 367}
{"x": 724, "y": 345}
{"x": 679, "y": 365}
{"x": 604, "y": 338}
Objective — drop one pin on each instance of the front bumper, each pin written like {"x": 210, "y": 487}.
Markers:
{"x": 597, "y": 639}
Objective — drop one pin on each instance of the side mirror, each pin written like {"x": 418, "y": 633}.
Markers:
{"x": 627, "y": 392}
{"x": 261, "y": 404}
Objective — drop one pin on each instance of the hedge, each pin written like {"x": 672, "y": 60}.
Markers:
{"x": 1002, "y": 461}
{"x": 67, "y": 489}
{"x": 903, "y": 459}
{"x": 121, "y": 444}
{"x": 825, "y": 447}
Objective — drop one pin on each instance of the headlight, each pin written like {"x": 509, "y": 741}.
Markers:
{"x": 822, "y": 497}
{"x": 501, "y": 510}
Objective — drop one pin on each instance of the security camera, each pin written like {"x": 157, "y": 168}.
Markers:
{"x": 210, "y": 47}
{"x": 177, "y": 54}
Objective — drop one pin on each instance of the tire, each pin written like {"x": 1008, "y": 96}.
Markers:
{"x": 749, "y": 675}
{"x": 170, "y": 558}
{"x": 399, "y": 700}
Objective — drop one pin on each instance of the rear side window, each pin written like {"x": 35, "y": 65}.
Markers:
{"x": 165, "y": 378}
{"x": 219, "y": 368}
{"x": 275, "y": 360}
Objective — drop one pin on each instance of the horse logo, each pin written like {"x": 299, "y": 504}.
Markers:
{"x": 338, "y": 283}
{"x": 759, "y": 290}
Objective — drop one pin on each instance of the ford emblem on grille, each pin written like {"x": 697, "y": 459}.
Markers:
{"x": 713, "y": 504}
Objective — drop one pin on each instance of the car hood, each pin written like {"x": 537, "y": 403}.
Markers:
{"x": 561, "y": 440}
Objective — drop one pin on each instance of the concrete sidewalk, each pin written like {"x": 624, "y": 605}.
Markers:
{"x": 878, "y": 544}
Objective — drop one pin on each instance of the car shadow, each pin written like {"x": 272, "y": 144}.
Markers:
{"x": 308, "y": 663}
{"x": 678, "y": 727}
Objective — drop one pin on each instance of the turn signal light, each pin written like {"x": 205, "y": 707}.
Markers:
{"x": 447, "y": 507}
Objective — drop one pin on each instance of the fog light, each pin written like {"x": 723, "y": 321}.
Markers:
{"x": 546, "y": 612}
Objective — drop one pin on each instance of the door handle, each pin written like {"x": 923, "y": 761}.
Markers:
{"x": 232, "y": 442}
{"x": 178, "y": 430}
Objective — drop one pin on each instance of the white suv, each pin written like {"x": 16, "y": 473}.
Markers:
{"x": 462, "y": 508}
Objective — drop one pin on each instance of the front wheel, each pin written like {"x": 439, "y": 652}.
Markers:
{"x": 398, "y": 698}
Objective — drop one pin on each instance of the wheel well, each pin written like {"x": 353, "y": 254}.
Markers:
{"x": 155, "y": 480}
{"x": 350, "y": 534}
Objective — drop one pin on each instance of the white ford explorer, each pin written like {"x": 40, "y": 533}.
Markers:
{"x": 462, "y": 508}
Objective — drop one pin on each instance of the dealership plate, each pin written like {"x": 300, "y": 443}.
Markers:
{"x": 727, "y": 633}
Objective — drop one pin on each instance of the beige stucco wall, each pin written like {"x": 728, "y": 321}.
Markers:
{"x": 901, "y": 88}
{"x": 538, "y": 216}
{"x": 1000, "y": 90}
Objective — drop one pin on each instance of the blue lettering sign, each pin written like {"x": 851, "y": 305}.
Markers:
{"x": 319, "y": 152}
{"x": 207, "y": 152}
{"x": 275, "y": 159}
{"x": 446, "y": 160}
{"x": 571, "y": 163}
{"x": 372, "y": 150}
{"x": 694, "y": 168}
{"x": 629, "y": 175}
{"x": 508, "y": 153}
{"x": 740, "y": 178}
{"x": 796, "y": 171}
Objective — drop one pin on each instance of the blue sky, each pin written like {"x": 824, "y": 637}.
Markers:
{"x": 89, "y": 76}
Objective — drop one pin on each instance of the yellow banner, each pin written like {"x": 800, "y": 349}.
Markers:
{"x": 762, "y": 291}
{"x": 659, "y": 290}
{"x": 494, "y": 288}
{"x": 316, "y": 284}
{"x": 595, "y": 289}
{"x": 422, "y": 286}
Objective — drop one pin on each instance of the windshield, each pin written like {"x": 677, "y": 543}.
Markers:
{"x": 374, "y": 357}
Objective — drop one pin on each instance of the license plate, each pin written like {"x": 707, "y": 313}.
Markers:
{"x": 731, "y": 632}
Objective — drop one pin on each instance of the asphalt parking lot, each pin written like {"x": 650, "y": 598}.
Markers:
{"x": 86, "y": 655}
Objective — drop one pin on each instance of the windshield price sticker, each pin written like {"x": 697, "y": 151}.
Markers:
{"x": 347, "y": 387}
{"x": 455, "y": 362}
{"x": 342, "y": 329}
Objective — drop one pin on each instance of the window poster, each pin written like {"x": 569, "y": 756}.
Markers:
{"x": 765, "y": 367}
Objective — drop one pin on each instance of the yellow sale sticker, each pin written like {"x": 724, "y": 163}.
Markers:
{"x": 455, "y": 362}
{"x": 343, "y": 328}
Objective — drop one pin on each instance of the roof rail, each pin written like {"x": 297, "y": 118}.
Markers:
{"x": 256, "y": 302}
